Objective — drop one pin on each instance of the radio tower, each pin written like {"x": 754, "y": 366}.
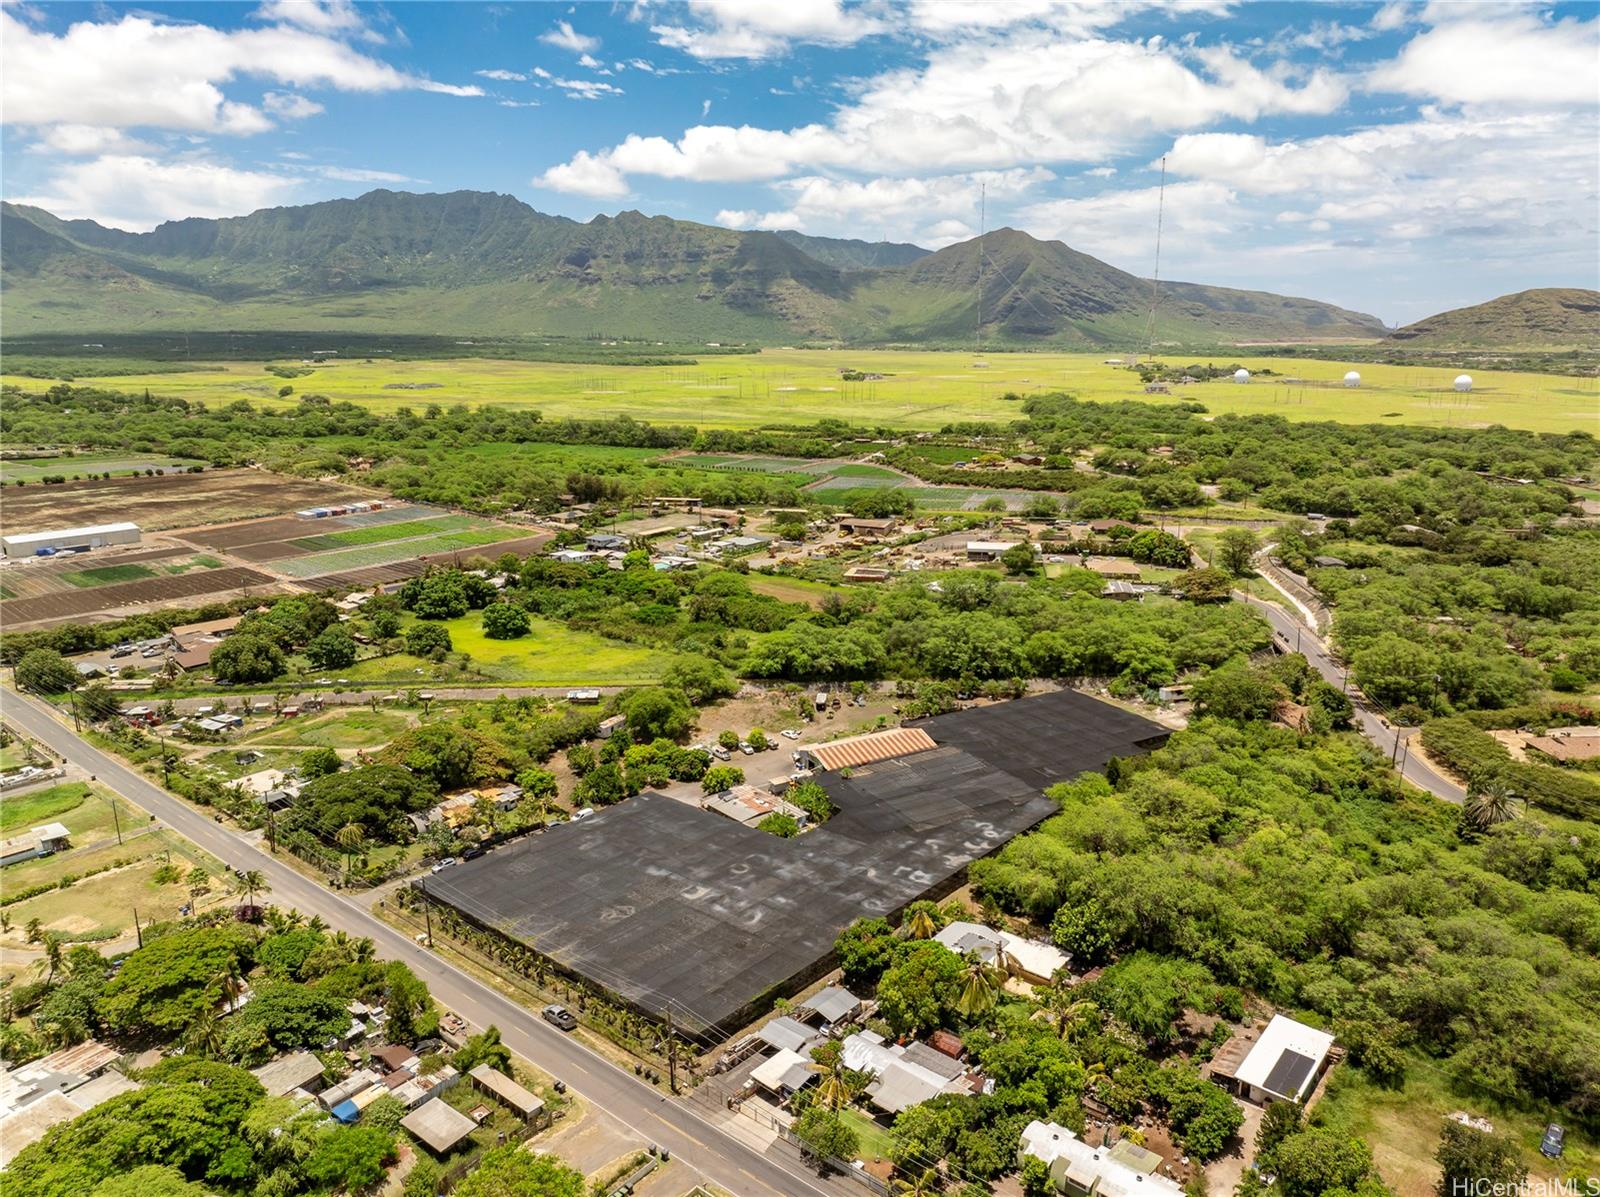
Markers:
{"x": 983, "y": 222}
{"x": 1155, "y": 278}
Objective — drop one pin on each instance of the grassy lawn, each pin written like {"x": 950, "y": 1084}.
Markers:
{"x": 793, "y": 590}
{"x": 13, "y": 756}
{"x": 27, "y": 810}
{"x": 875, "y": 1139}
{"x": 553, "y": 655}
{"x": 925, "y": 390}
{"x": 225, "y": 766}
{"x": 347, "y": 727}
{"x": 1402, "y": 1127}
{"x": 107, "y": 574}
{"x": 103, "y": 905}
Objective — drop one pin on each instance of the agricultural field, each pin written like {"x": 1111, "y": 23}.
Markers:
{"x": 34, "y": 468}
{"x": 85, "y": 811}
{"x": 166, "y": 591}
{"x": 174, "y": 501}
{"x": 105, "y": 575}
{"x": 387, "y": 552}
{"x": 918, "y": 390}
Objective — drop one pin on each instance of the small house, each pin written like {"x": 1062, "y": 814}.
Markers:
{"x": 1284, "y": 1064}
{"x": 611, "y": 726}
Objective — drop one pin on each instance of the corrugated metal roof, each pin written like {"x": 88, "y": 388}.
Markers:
{"x": 874, "y": 746}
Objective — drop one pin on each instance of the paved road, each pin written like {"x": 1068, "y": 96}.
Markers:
{"x": 1296, "y": 636}
{"x": 644, "y": 1109}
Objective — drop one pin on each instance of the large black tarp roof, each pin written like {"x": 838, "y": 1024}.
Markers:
{"x": 677, "y": 909}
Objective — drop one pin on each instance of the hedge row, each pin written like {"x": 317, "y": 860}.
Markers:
{"x": 1462, "y": 747}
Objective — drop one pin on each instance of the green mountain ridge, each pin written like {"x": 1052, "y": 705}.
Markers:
{"x": 1546, "y": 317}
{"x": 466, "y": 262}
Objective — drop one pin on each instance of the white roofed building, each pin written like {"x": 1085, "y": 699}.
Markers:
{"x": 1284, "y": 1064}
{"x": 1078, "y": 1169}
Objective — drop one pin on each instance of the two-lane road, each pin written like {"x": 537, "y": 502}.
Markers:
{"x": 1295, "y": 636}
{"x": 656, "y": 1118}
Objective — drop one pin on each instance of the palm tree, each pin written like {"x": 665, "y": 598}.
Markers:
{"x": 230, "y": 981}
{"x": 1491, "y": 802}
{"x": 204, "y": 1036}
{"x": 5, "y": 923}
{"x": 252, "y": 881}
{"x": 54, "y": 956}
{"x": 924, "y": 1184}
{"x": 980, "y": 987}
{"x": 920, "y": 924}
{"x": 34, "y": 931}
{"x": 835, "y": 1088}
{"x": 349, "y": 837}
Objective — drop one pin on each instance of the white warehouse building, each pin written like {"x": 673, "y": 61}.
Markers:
{"x": 37, "y": 544}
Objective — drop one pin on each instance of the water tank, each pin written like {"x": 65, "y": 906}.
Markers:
{"x": 1241, "y": 375}
{"x": 1463, "y": 382}
{"x": 1352, "y": 379}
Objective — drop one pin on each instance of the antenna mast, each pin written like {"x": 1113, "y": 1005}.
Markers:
{"x": 1155, "y": 278}
{"x": 983, "y": 225}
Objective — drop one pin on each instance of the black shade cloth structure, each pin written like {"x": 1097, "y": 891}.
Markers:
{"x": 677, "y": 910}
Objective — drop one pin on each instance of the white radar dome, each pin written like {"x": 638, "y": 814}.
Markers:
{"x": 1241, "y": 375}
{"x": 1463, "y": 382}
{"x": 1352, "y": 379}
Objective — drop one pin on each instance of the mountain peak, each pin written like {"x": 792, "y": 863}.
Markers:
{"x": 484, "y": 262}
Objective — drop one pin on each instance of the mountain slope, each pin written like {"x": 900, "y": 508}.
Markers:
{"x": 850, "y": 254}
{"x": 1547, "y": 317}
{"x": 467, "y": 262}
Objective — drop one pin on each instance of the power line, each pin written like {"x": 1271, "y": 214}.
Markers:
{"x": 1155, "y": 277}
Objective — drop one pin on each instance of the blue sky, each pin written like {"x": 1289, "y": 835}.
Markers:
{"x": 1400, "y": 158}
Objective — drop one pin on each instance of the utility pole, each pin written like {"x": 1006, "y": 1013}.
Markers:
{"x": 72, "y": 699}
{"x": 166, "y": 770}
{"x": 116, "y": 819}
{"x": 672, "y": 1055}
{"x": 137, "y": 931}
{"x": 427, "y": 914}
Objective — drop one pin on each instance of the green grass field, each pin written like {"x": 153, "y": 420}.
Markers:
{"x": 552, "y": 655}
{"x": 1402, "y": 1127}
{"x": 921, "y": 390}
{"x": 387, "y": 551}
{"x": 344, "y": 727}
{"x": 106, "y": 575}
{"x": 21, "y": 811}
{"x": 382, "y": 533}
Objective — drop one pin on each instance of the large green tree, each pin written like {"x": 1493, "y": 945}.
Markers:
{"x": 510, "y": 1171}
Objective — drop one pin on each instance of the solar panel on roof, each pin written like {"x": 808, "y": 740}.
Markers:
{"x": 1288, "y": 1075}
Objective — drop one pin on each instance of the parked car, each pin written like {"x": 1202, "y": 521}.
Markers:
{"x": 789, "y": 733}
{"x": 1555, "y": 1139}
{"x": 444, "y": 864}
{"x": 747, "y": 749}
{"x": 581, "y": 814}
{"x": 121, "y": 652}
{"x": 560, "y": 1017}
{"x": 721, "y": 753}
{"x": 474, "y": 852}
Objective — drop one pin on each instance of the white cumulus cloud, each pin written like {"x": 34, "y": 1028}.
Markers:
{"x": 564, "y": 37}
{"x": 763, "y": 28}
{"x": 136, "y": 192}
